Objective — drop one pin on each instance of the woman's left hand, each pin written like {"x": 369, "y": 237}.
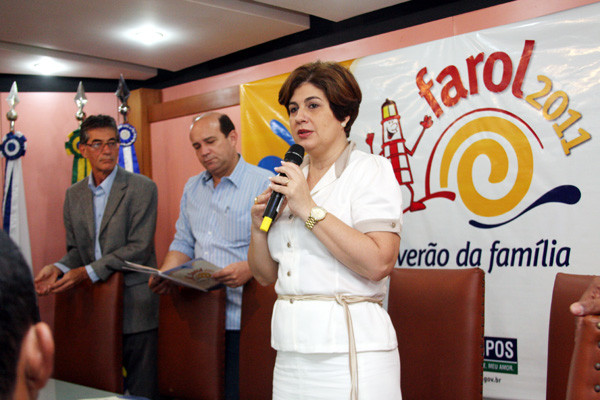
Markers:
{"x": 295, "y": 189}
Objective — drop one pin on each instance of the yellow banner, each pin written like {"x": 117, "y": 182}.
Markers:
{"x": 259, "y": 107}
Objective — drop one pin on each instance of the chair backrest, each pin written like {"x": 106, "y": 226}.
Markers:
{"x": 88, "y": 332}
{"x": 584, "y": 372}
{"x": 438, "y": 315}
{"x": 568, "y": 288}
{"x": 191, "y": 344}
{"x": 257, "y": 357}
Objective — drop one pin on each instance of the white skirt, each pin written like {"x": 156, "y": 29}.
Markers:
{"x": 300, "y": 376}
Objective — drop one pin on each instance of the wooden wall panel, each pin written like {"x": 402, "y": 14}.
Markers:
{"x": 139, "y": 103}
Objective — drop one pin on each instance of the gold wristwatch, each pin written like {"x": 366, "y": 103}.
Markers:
{"x": 316, "y": 214}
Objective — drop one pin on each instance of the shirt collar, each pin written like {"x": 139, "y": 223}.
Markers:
{"x": 236, "y": 176}
{"x": 106, "y": 184}
{"x": 341, "y": 163}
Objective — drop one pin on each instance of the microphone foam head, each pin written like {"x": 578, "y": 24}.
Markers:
{"x": 295, "y": 154}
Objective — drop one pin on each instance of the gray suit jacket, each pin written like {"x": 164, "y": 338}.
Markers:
{"x": 126, "y": 231}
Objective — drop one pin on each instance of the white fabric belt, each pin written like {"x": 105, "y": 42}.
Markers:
{"x": 344, "y": 300}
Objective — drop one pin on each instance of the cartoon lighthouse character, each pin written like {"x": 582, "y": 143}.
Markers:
{"x": 393, "y": 146}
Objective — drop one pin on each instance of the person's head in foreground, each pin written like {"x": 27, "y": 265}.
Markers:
{"x": 26, "y": 345}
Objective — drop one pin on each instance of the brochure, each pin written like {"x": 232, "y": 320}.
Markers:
{"x": 196, "y": 274}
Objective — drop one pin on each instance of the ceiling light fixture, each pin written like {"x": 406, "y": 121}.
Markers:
{"x": 148, "y": 36}
{"x": 47, "y": 66}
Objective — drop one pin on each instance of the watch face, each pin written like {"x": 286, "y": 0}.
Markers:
{"x": 318, "y": 213}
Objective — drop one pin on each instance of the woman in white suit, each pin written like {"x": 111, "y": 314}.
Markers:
{"x": 331, "y": 250}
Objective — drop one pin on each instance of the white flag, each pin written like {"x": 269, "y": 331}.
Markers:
{"x": 14, "y": 209}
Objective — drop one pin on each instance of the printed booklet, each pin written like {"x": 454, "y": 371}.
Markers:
{"x": 196, "y": 274}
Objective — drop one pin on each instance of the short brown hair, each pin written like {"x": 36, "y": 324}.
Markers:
{"x": 225, "y": 123}
{"x": 336, "y": 81}
{"x": 95, "y": 122}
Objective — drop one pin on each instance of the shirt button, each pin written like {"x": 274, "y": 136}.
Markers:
{"x": 393, "y": 224}
{"x": 289, "y": 245}
{"x": 209, "y": 233}
{"x": 291, "y": 301}
{"x": 289, "y": 273}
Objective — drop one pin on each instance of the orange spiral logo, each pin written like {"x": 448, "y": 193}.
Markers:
{"x": 499, "y": 160}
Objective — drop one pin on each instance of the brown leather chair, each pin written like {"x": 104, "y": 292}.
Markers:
{"x": 257, "y": 357}
{"x": 439, "y": 316}
{"x": 584, "y": 372}
{"x": 191, "y": 345}
{"x": 568, "y": 288}
{"x": 88, "y": 332}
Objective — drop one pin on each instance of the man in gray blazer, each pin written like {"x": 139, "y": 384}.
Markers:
{"x": 111, "y": 215}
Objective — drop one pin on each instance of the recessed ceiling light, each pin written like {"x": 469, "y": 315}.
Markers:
{"x": 148, "y": 36}
{"x": 47, "y": 66}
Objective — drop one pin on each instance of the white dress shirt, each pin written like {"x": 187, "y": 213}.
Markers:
{"x": 361, "y": 190}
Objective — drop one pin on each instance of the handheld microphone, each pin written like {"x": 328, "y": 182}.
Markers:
{"x": 295, "y": 155}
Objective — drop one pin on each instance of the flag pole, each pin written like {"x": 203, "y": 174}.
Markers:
{"x": 80, "y": 166}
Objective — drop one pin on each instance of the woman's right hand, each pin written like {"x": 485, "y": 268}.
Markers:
{"x": 262, "y": 266}
{"x": 258, "y": 209}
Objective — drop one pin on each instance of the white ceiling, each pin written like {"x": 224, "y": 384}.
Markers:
{"x": 333, "y": 10}
{"x": 88, "y": 38}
